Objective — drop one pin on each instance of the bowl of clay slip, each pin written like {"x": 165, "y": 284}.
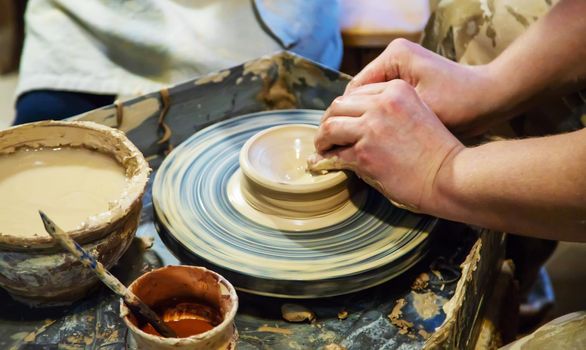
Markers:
{"x": 198, "y": 304}
{"x": 279, "y": 191}
{"x": 102, "y": 177}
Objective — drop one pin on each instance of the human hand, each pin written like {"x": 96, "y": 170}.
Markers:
{"x": 465, "y": 98}
{"x": 390, "y": 138}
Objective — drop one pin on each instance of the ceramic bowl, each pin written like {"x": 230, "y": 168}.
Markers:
{"x": 276, "y": 159}
{"x": 36, "y": 270}
{"x": 276, "y": 187}
{"x": 170, "y": 282}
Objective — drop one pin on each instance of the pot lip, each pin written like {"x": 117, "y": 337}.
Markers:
{"x": 101, "y": 227}
{"x": 255, "y": 176}
{"x": 228, "y": 320}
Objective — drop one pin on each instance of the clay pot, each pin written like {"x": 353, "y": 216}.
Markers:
{"x": 276, "y": 159}
{"x": 278, "y": 191}
{"x": 36, "y": 270}
{"x": 170, "y": 282}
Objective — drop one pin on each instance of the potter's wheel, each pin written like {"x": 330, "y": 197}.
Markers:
{"x": 199, "y": 223}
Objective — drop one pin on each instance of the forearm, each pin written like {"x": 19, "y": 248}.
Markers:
{"x": 549, "y": 57}
{"x": 534, "y": 187}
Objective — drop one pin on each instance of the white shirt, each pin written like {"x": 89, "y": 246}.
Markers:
{"x": 137, "y": 46}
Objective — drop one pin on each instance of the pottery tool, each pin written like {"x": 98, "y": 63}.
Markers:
{"x": 130, "y": 299}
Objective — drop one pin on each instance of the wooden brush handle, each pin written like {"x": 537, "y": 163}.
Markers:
{"x": 131, "y": 300}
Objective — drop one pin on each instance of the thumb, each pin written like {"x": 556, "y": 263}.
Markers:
{"x": 372, "y": 73}
{"x": 337, "y": 158}
{"x": 384, "y": 67}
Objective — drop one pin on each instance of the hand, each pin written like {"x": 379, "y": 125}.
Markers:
{"x": 390, "y": 138}
{"x": 465, "y": 98}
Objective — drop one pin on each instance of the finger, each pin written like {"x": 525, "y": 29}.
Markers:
{"x": 348, "y": 106}
{"x": 337, "y": 131}
{"x": 368, "y": 89}
{"x": 374, "y": 72}
{"x": 335, "y": 159}
{"x": 386, "y": 66}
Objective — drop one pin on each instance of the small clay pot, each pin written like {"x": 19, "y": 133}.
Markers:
{"x": 275, "y": 188}
{"x": 276, "y": 159}
{"x": 167, "y": 283}
{"x": 35, "y": 269}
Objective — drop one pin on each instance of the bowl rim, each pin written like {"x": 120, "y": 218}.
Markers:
{"x": 226, "y": 322}
{"x": 250, "y": 172}
{"x": 133, "y": 194}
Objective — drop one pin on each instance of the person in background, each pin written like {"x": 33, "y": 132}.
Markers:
{"x": 400, "y": 123}
{"x": 78, "y": 55}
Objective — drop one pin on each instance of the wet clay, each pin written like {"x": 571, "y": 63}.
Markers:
{"x": 183, "y": 328}
{"x": 281, "y": 155}
{"x": 70, "y": 184}
{"x": 275, "y": 188}
{"x": 186, "y": 317}
{"x": 197, "y": 303}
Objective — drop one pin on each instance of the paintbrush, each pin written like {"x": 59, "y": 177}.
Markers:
{"x": 130, "y": 299}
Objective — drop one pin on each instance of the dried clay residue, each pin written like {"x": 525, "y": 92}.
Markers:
{"x": 307, "y": 73}
{"x": 296, "y": 313}
{"x": 133, "y": 114}
{"x": 423, "y": 333}
{"x": 284, "y": 331}
{"x": 79, "y": 340}
{"x": 275, "y": 93}
{"x": 421, "y": 282}
{"x": 32, "y": 336}
{"x": 213, "y": 77}
{"x": 395, "y": 317}
{"x": 258, "y": 67}
{"x": 468, "y": 267}
{"x": 146, "y": 242}
{"x": 427, "y": 304}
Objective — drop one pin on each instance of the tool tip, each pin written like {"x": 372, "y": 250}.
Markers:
{"x": 49, "y": 226}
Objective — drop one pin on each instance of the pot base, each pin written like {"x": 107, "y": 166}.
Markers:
{"x": 272, "y": 216}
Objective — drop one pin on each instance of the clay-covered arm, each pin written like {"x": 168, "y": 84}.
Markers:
{"x": 533, "y": 186}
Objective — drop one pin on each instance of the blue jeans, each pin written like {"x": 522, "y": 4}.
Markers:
{"x": 53, "y": 104}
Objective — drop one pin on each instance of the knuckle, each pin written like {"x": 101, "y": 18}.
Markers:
{"x": 383, "y": 103}
{"x": 335, "y": 105}
{"x": 400, "y": 45}
{"x": 363, "y": 157}
{"x": 337, "y": 101}
{"x": 374, "y": 129}
{"x": 399, "y": 85}
{"x": 327, "y": 127}
{"x": 397, "y": 93}
{"x": 326, "y": 115}
{"x": 352, "y": 84}
{"x": 392, "y": 100}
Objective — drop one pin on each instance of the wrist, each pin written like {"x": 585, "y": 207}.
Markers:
{"x": 443, "y": 196}
{"x": 494, "y": 96}
{"x": 511, "y": 84}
